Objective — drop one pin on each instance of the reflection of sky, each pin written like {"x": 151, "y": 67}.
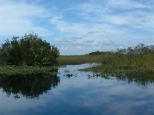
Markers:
{"x": 80, "y": 96}
{"x": 12, "y": 106}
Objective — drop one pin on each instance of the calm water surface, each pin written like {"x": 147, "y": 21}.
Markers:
{"x": 72, "y": 92}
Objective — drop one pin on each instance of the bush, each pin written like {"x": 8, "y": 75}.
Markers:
{"x": 28, "y": 50}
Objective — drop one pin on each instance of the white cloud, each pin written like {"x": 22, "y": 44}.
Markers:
{"x": 18, "y": 18}
{"x": 100, "y": 25}
{"x": 111, "y": 23}
{"x": 126, "y": 4}
{"x": 140, "y": 20}
{"x": 74, "y": 28}
{"x": 107, "y": 13}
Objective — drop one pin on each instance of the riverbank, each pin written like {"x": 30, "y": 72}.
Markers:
{"x": 26, "y": 70}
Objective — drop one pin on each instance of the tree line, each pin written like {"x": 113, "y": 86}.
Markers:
{"x": 29, "y": 50}
{"x": 139, "y": 49}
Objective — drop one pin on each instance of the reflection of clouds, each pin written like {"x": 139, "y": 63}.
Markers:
{"x": 78, "y": 95}
{"x": 129, "y": 107}
{"x": 108, "y": 96}
{"x": 11, "y": 106}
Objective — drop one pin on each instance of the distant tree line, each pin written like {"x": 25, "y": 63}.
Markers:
{"x": 96, "y": 53}
{"x": 28, "y": 50}
{"x": 139, "y": 49}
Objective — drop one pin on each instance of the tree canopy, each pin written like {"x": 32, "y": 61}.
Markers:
{"x": 28, "y": 50}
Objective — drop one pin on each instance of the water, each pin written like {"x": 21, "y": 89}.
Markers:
{"x": 72, "y": 92}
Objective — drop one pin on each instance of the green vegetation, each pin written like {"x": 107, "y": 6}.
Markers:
{"x": 134, "y": 59}
{"x": 131, "y": 60}
{"x": 28, "y": 50}
{"x": 79, "y": 59}
{"x": 126, "y": 63}
{"x": 31, "y": 55}
{"x": 27, "y": 55}
{"x": 26, "y": 70}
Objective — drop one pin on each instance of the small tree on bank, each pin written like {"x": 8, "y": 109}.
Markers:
{"x": 28, "y": 50}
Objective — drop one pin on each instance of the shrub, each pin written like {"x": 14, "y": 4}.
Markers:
{"x": 28, "y": 50}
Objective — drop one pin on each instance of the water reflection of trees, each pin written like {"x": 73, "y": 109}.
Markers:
{"x": 31, "y": 86}
{"x": 139, "y": 78}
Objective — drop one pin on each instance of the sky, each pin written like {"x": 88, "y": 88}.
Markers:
{"x": 80, "y": 26}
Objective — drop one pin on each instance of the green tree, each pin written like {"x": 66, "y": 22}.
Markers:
{"x": 29, "y": 50}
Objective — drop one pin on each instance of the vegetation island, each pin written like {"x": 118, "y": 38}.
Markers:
{"x": 26, "y": 55}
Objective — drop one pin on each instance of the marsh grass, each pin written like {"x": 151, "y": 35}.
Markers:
{"x": 79, "y": 59}
{"x": 26, "y": 70}
{"x": 143, "y": 63}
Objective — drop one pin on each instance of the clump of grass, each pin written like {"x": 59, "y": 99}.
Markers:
{"x": 26, "y": 70}
{"x": 141, "y": 63}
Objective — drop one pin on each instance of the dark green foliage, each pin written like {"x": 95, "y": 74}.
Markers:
{"x": 95, "y": 53}
{"x": 28, "y": 50}
{"x": 101, "y": 53}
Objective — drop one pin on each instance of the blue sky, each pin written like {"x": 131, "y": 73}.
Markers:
{"x": 80, "y": 26}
